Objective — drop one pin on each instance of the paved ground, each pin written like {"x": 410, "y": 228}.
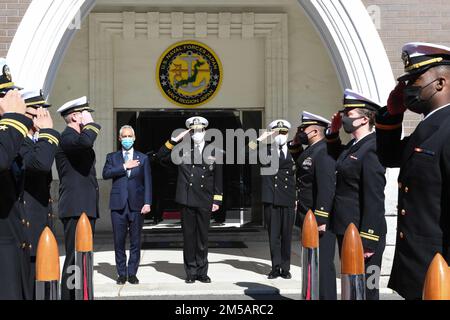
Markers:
{"x": 236, "y": 273}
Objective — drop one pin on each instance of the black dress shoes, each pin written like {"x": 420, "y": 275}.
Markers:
{"x": 121, "y": 280}
{"x": 274, "y": 274}
{"x": 133, "y": 280}
{"x": 204, "y": 279}
{"x": 190, "y": 279}
{"x": 286, "y": 275}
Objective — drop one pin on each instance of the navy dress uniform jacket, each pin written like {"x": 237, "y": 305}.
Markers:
{"x": 423, "y": 226}
{"x": 75, "y": 161}
{"x": 14, "y": 245}
{"x": 198, "y": 185}
{"x": 316, "y": 181}
{"x": 359, "y": 196}
{"x": 278, "y": 189}
{"x": 136, "y": 190}
{"x": 38, "y": 158}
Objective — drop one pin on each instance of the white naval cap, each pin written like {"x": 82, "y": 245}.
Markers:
{"x": 353, "y": 99}
{"x": 418, "y": 57}
{"x": 6, "y": 81}
{"x": 309, "y": 119}
{"x": 77, "y": 105}
{"x": 279, "y": 125}
{"x": 34, "y": 98}
{"x": 197, "y": 123}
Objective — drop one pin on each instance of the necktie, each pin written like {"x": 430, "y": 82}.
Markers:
{"x": 126, "y": 158}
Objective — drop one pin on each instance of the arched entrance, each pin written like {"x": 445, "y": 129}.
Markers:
{"x": 345, "y": 27}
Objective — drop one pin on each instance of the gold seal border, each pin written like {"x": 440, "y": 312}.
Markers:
{"x": 197, "y": 43}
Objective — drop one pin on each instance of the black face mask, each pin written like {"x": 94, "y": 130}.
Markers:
{"x": 303, "y": 137}
{"x": 347, "y": 123}
{"x": 413, "y": 101}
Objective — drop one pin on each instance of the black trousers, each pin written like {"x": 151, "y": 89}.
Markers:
{"x": 373, "y": 268}
{"x": 280, "y": 222}
{"x": 327, "y": 269}
{"x": 67, "y": 278}
{"x": 195, "y": 224}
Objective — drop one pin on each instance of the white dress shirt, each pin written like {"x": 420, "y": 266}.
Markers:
{"x": 130, "y": 156}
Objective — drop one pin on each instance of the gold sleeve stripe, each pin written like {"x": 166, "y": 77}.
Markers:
{"x": 369, "y": 237}
{"x": 49, "y": 137}
{"x": 218, "y": 198}
{"x": 16, "y": 125}
{"x": 253, "y": 145}
{"x": 88, "y": 127}
{"x": 322, "y": 214}
{"x": 388, "y": 127}
{"x": 169, "y": 145}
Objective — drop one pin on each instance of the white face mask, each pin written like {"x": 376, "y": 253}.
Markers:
{"x": 198, "y": 137}
{"x": 281, "y": 140}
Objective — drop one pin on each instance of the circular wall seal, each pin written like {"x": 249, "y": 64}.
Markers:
{"x": 189, "y": 74}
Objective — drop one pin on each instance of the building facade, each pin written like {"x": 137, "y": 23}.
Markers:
{"x": 278, "y": 57}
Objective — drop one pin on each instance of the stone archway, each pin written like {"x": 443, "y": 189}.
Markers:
{"x": 344, "y": 25}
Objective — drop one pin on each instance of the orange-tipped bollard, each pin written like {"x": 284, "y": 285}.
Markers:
{"x": 47, "y": 267}
{"x": 310, "y": 258}
{"x": 84, "y": 259}
{"x": 353, "y": 279}
{"x": 437, "y": 280}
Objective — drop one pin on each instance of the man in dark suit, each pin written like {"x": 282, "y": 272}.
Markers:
{"x": 199, "y": 192}
{"x": 279, "y": 196}
{"x": 360, "y": 183}
{"x": 423, "y": 226}
{"x": 38, "y": 154}
{"x": 131, "y": 199}
{"x": 14, "y": 246}
{"x": 316, "y": 182}
{"x": 78, "y": 189}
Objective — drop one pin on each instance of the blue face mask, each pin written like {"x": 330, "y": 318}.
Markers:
{"x": 127, "y": 143}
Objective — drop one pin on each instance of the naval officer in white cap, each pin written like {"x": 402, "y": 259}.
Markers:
{"x": 316, "y": 182}
{"x": 423, "y": 227}
{"x": 78, "y": 189}
{"x": 279, "y": 196}
{"x": 199, "y": 192}
{"x": 38, "y": 154}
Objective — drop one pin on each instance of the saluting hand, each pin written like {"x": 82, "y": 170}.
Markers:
{"x": 181, "y": 136}
{"x": 266, "y": 135}
{"x": 86, "y": 118}
{"x": 336, "y": 123}
{"x": 43, "y": 120}
{"x": 12, "y": 103}
{"x": 395, "y": 104}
